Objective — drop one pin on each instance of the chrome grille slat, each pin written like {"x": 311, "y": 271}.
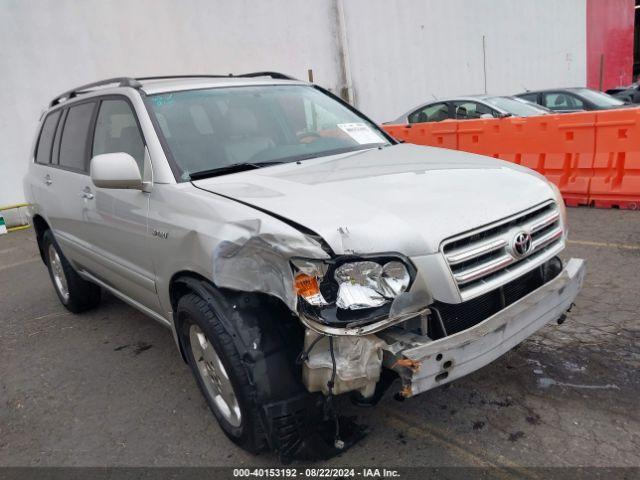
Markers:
{"x": 463, "y": 255}
{"x": 473, "y": 274}
{"x": 547, "y": 238}
{"x": 540, "y": 224}
{"x": 485, "y": 257}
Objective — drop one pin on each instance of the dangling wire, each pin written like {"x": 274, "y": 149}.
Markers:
{"x": 330, "y": 385}
{"x": 304, "y": 354}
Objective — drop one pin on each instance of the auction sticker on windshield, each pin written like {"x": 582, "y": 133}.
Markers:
{"x": 360, "y": 132}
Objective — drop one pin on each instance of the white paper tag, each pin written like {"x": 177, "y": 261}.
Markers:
{"x": 360, "y": 132}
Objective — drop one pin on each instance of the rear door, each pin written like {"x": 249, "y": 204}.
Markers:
{"x": 63, "y": 199}
{"x": 118, "y": 218}
{"x": 39, "y": 181}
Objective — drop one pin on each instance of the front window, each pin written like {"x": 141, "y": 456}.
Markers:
{"x": 562, "y": 101}
{"x": 516, "y": 107}
{"x": 436, "y": 112}
{"x": 599, "y": 99}
{"x": 219, "y": 127}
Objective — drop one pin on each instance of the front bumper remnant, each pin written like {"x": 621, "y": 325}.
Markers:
{"x": 424, "y": 364}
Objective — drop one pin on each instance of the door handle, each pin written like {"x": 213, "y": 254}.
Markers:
{"x": 47, "y": 179}
{"x": 86, "y": 193}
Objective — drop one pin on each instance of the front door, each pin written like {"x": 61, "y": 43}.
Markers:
{"x": 118, "y": 219}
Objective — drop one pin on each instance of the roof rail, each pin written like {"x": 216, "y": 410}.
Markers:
{"x": 135, "y": 82}
{"x": 121, "y": 81}
{"x": 274, "y": 75}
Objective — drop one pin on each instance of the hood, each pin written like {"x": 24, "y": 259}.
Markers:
{"x": 403, "y": 198}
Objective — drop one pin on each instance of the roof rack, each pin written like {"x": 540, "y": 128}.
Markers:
{"x": 274, "y": 75}
{"x": 121, "y": 81}
{"x": 135, "y": 82}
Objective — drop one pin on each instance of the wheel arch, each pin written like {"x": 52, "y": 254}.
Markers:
{"x": 185, "y": 282}
{"x": 40, "y": 226}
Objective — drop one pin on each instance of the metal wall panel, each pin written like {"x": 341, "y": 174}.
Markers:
{"x": 403, "y": 53}
{"x": 392, "y": 53}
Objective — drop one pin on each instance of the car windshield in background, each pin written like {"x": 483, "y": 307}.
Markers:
{"x": 218, "y": 128}
{"x": 516, "y": 107}
{"x": 598, "y": 98}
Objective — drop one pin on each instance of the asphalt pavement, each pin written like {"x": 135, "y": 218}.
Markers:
{"x": 108, "y": 387}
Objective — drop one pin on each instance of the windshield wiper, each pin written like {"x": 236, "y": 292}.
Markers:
{"x": 337, "y": 151}
{"x": 233, "y": 168}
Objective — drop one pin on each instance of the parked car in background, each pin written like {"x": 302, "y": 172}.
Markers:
{"x": 471, "y": 107}
{"x": 629, "y": 94}
{"x": 579, "y": 99}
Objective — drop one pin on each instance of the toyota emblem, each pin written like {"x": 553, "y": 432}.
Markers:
{"x": 522, "y": 244}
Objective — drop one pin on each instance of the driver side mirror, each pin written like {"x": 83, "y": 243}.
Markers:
{"x": 115, "y": 170}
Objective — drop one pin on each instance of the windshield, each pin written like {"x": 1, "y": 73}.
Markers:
{"x": 214, "y": 128}
{"x": 598, "y": 98}
{"x": 516, "y": 107}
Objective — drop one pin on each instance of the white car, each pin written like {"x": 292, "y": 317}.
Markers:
{"x": 470, "y": 108}
{"x": 294, "y": 249}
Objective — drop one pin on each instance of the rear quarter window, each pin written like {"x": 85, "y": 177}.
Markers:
{"x": 73, "y": 146}
{"x": 43, "y": 149}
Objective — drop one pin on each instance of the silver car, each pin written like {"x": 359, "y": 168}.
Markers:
{"x": 470, "y": 108}
{"x": 294, "y": 249}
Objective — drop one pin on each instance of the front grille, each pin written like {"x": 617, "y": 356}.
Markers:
{"x": 485, "y": 259}
{"x": 456, "y": 317}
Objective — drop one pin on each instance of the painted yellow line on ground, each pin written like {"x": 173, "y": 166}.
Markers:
{"x": 500, "y": 468}
{"x": 588, "y": 243}
{"x": 19, "y": 264}
{"x": 20, "y": 227}
{"x": 15, "y": 205}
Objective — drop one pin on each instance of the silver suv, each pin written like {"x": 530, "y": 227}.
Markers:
{"x": 294, "y": 249}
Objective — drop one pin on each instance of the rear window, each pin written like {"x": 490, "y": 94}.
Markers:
{"x": 530, "y": 97}
{"x": 43, "y": 151}
{"x": 73, "y": 146}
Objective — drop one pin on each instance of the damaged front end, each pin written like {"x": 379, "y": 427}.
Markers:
{"x": 370, "y": 319}
{"x": 421, "y": 352}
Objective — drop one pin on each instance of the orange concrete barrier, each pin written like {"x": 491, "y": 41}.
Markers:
{"x": 616, "y": 181}
{"x": 593, "y": 158}
{"x": 436, "y": 134}
{"x": 561, "y": 147}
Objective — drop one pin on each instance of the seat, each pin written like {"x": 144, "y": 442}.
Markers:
{"x": 561, "y": 101}
{"x": 244, "y": 139}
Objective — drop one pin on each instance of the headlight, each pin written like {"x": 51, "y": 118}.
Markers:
{"x": 369, "y": 284}
{"x": 351, "y": 285}
{"x": 359, "y": 285}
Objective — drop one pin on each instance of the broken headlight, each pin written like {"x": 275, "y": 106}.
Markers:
{"x": 351, "y": 285}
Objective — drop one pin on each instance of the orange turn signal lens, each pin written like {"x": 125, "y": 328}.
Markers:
{"x": 306, "y": 285}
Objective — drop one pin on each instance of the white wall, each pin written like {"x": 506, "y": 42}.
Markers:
{"x": 399, "y": 51}
{"x": 403, "y": 53}
{"x": 49, "y": 46}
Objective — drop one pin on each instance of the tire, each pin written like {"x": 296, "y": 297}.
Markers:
{"x": 242, "y": 427}
{"x": 75, "y": 293}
